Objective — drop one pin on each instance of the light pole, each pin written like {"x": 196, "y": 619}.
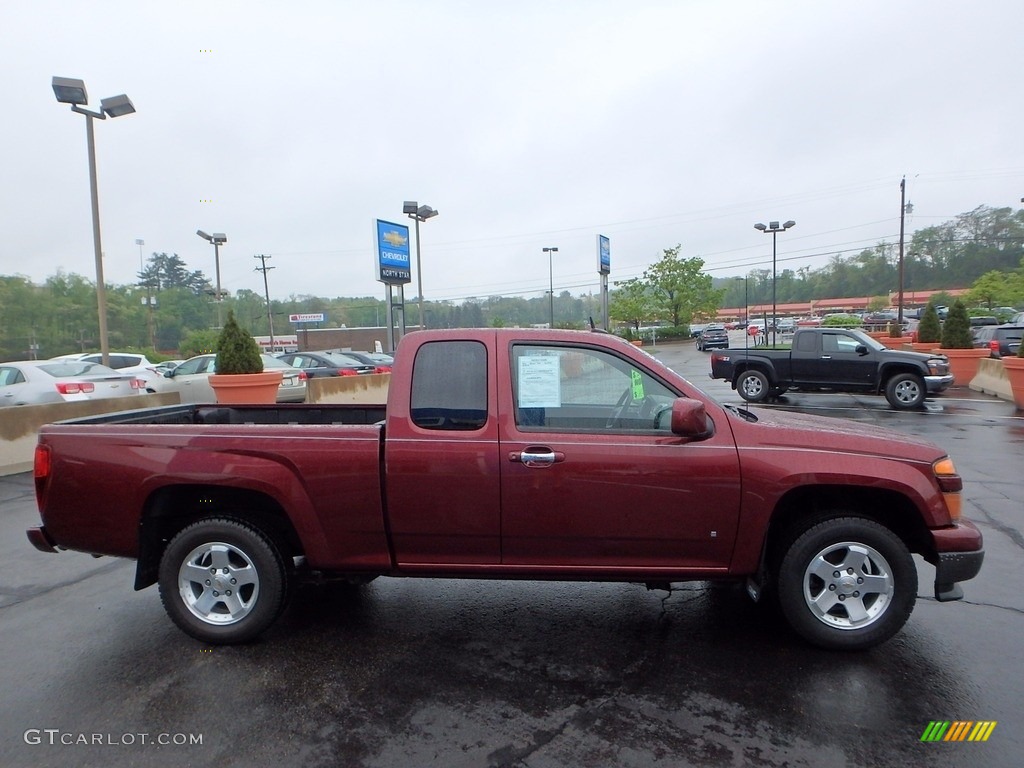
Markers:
{"x": 218, "y": 239}
{"x": 418, "y": 213}
{"x": 551, "y": 285}
{"x": 774, "y": 228}
{"x": 71, "y": 91}
{"x": 149, "y": 294}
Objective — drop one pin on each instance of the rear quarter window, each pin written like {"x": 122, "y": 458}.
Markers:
{"x": 449, "y": 386}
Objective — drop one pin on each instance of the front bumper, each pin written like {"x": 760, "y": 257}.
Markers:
{"x": 934, "y": 384}
{"x": 959, "y": 555}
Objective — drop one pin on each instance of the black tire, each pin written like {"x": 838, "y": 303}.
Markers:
{"x": 865, "y": 568}
{"x": 246, "y": 588}
{"x": 905, "y": 391}
{"x": 753, "y": 386}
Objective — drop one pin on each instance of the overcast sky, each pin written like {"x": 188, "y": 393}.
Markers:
{"x": 292, "y": 126}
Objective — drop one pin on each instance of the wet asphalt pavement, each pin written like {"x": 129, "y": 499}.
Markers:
{"x": 475, "y": 673}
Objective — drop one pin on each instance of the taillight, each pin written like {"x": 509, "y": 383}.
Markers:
{"x": 347, "y": 372}
{"x": 75, "y": 387}
{"x": 993, "y": 345}
{"x": 138, "y": 384}
{"x": 303, "y": 376}
{"x": 41, "y": 462}
{"x": 382, "y": 369}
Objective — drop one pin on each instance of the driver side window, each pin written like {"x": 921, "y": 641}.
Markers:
{"x": 575, "y": 389}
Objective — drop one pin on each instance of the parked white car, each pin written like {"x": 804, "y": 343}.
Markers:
{"x": 37, "y": 382}
{"x": 191, "y": 380}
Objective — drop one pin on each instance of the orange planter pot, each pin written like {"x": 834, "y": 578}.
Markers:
{"x": 1015, "y": 373}
{"x": 244, "y": 388}
{"x": 963, "y": 363}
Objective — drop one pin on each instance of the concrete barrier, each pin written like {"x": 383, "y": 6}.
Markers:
{"x": 19, "y": 425}
{"x": 370, "y": 389}
{"x": 992, "y": 379}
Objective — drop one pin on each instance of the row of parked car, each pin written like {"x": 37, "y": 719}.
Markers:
{"x": 71, "y": 378}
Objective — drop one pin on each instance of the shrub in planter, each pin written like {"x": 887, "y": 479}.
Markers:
{"x": 929, "y": 330}
{"x": 956, "y": 331}
{"x": 895, "y": 331}
{"x": 237, "y": 350}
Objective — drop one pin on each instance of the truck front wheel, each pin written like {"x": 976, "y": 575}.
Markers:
{"x": 905, "y": 391}
{"x": 222, "y": 581}
{"x": 752, "y": 386}
{"x": 847, "y": 584}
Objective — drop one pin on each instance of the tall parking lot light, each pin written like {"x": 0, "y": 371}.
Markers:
{"x": 774, "y": 228}
{"x": 218, "y": 239}
{"x": 418, "y": 213}
{"x": 551, "y": 284}
{"x": 72, "y": 91}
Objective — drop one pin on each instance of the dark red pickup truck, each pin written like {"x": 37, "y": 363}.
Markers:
{"x": 510, "y": 454}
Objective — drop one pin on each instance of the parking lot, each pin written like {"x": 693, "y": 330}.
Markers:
{"x": 407, "y": 672}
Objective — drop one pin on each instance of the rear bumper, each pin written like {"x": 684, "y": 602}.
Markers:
{"x": 41, "y": 540}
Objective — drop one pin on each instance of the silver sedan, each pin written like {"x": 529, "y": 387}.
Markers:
{"x": 37, "y": 382}
{"x": 191, "y": 380}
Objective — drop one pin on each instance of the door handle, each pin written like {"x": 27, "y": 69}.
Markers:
{"x": 537, "y": 457}
{"x": 826, "y": 357}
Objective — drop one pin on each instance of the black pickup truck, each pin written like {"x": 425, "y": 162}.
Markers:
{"x": 835, "y": 360}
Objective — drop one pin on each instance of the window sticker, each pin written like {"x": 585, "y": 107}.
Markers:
{"x": 539, "y": 382}
{"x": 638, "y": 384}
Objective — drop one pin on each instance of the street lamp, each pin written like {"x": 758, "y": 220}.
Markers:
{"x": 218, "y": 239}
{"x": 418, "y": 213}
{"x": 71, "y": 91}
{"x": 774, "y": 228}
{"x": 551, "y": 284}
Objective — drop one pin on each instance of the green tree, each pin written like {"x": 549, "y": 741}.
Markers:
{"x": 929, "y": 330}
{"x": 631, "y": 302}
{"x": 956, "y": 331}
{"x": 237, "y": 350}
{"x": 679, "y": 288}
{"x": 991, "y": 289}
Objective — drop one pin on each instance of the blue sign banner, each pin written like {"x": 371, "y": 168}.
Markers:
{"x": 604, "y": 255}
{"x": 393, "y": 253}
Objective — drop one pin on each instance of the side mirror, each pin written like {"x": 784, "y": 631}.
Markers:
{"x": 690, "y": 419}
{"x": 861, "y": 349}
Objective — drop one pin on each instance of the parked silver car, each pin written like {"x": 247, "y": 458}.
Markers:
{"x": 191, "y": 380}
{"x": 37, "y": 382}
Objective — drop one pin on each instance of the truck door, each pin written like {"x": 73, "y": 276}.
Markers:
{"x": 441, "y": 459}
{"x": 835, "y": 364}
{"x": 592, "y": 476}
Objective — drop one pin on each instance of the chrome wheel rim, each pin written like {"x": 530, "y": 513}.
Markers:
{"x": 218, "y": 583}
{"x": 848, "y": 585}
{"x": 907, "y": 391}
{"x": 752, "y": 386}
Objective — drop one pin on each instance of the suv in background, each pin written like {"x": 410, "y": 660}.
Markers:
{"x": 713, "y": 336}
{"x": 1001, "y": 340}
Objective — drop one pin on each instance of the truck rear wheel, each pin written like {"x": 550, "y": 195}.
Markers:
{"x": 847, "y": 584}
{"x": 752, "y": 386}
{"x": 905, "y": 391}
{"x": 222, "y": 581}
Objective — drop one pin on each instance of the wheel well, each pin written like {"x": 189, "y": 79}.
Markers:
{"x": 802, "y": 508}
{"x": 169, "y": 510}
{"x": 895, "y": 370}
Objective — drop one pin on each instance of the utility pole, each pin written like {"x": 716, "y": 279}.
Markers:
{"x": 903, "y": 210}
{"x": 266, "y": 290}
